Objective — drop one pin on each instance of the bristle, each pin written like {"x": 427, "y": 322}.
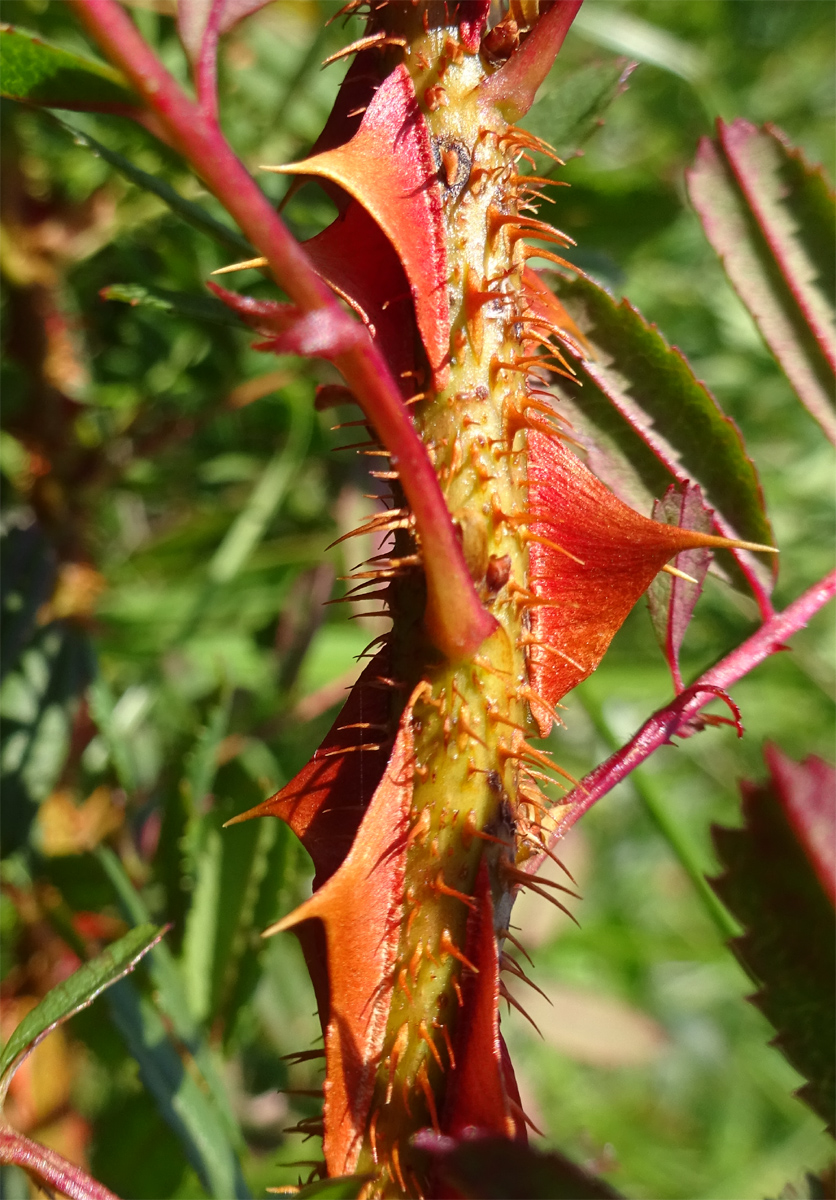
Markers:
{"x": 300, "y": 1056}
{"x": 425, "y": 1034}
{"x": 524, "y": 880}
{"x": 396, "y": 1163}
{"x": 522, "y": 1114}
{"x": 424, "y": 1084}
{"x": 506, "y": 933}
{"x": 381, "y": 38}
{"x": 512, "y": 1000}
{"x": 447, "y": 947}
{"x": 513, "y": 968}
{"x": 447, "y": 1043}
{"x": 440, "y": 886}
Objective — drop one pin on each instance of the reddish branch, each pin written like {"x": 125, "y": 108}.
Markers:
{"x": 49, "y": 1169}
{"x": 461, "y": 624}
{"x": 666, "y": 722}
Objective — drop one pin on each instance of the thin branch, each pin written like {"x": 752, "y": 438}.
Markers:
{"x": 48, "y": 1169}
{"x": 660, "y": 813}
{"x": 666, "y": 722}
{"x": 206, "y": 66}
{"x": 456, "y": 620}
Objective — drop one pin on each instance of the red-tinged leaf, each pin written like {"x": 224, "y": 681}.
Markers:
{"x": 359, "y": 262}
{"x": 359, "y": 909}
{"x": 772, "y": 884}
{"x": 405, "y": 201}
{"x": 645, "y": 422}
{"x": 671, "y": 599}
{"x": 597, "y": 557}
{"x": 511, "y": 89}
{"x": 193, "y": 17}
{"x": 483, "y": 1081}
{"x": 492, "y": 1168}
{"x": 807, "y": 791}
{"x": 771, "y": 217}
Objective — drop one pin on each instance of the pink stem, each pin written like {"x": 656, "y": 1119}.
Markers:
{"x": 457, "y": 622}
{"x": 206, "y": 67}
{"x": 50, "y": 1169}
{"x": 662, "y": 726}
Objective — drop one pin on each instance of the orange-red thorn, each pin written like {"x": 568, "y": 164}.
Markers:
{"x": 448, "y": 947}
{"x": 446, "y": 890}
{"x": 428, "y": 1095}
{"x": 424, "y": 1033}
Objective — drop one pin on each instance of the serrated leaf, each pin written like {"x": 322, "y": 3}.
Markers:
{"x": 74, "y": 994}
{"x": 569, "y": 112}
{"x": 789, "y": 947}
{"x": 193, "y": 213}
{"x": 181, "y": 1100}
{"x": 645, "y": 422}
{"x": 196, "y": 308}
{"x": 39, "y": 73}
{"x": 499, "y": 1169}
{"x": 671, "y": 600}
{"x": 771, "y": 218}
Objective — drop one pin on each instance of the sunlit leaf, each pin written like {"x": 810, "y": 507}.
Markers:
{"x": 771, "y": 218}
{"x": 75, "y": 993}
{"x": 39, "y": 73}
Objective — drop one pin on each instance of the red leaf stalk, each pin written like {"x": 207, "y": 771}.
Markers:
{"x": 461, "y": 624}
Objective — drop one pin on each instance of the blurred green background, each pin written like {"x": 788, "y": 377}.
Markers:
{"x": 185, "y": 666}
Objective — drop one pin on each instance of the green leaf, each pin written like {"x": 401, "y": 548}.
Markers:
{"x": 646, "y": 422}
{"x": 789, "y": 945}
{"x": 34, "y": 71}
{"x": 569, "y": 112}
{"x": 193, "y": 213}
{"x": 494, "y": 1168}
{"x": 181, "y": 1099}
{"x": 195, "y": 307}
{"x": 771, "y": 218}
{"x": 75, "y": 993}
{"x": 171, "y": 995}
